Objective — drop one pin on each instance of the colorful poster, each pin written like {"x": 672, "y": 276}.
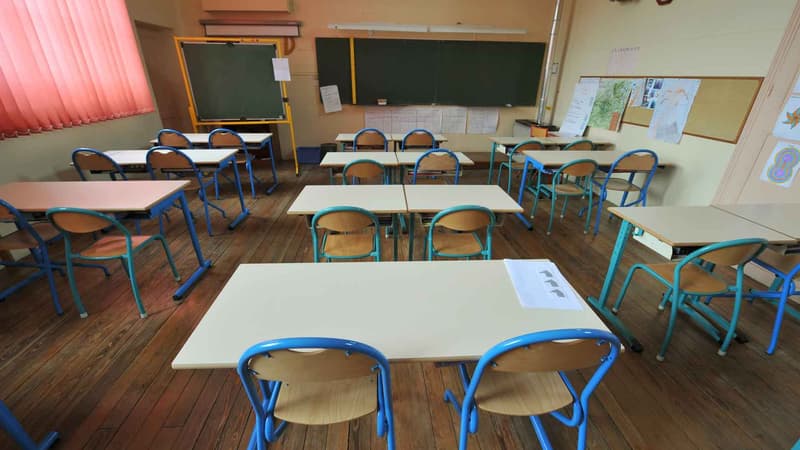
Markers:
{"x": 788, "y": 124}
{"x": 580, "y": 108}
{"x": 672, "y": 109}
{"x": 652, "y": 86}
{"x": 637, "y": 92}
{"x": 782, "y": 165}
{"x": 612, "y": 96}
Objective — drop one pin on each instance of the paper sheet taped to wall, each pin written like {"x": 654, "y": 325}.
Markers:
{"x": 330, "y": 98}
{"x": 402, "y": 119}
{"x": 482, "y": 120}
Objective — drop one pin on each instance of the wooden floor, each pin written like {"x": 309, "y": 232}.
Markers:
{"x": 106, "y": 381}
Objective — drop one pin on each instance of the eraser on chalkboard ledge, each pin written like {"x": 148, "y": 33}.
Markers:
{"x": 382, "y": 102}
{"x": 508, "y": 105}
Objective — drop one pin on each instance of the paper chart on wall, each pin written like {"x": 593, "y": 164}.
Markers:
{"x": 378, "y": 118}
{"x": 672, "y": 109}
{"x": 609, "y": 104}
{"x": 637, "y": 92}
{"x": 482, "y": 120}
{"x": 788, "y": 124}
{"x": 782, "y": 166}
{"x": 454, "y": 119}
{"x": 280, "y": 68}
{"x": 623, "y": 61}
{"x": 330, "y": 98}
{"x": 577, "y": 117}
{"x": 404, "y": 119}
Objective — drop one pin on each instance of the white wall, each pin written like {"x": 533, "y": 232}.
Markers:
{"x": 686, "y": 38}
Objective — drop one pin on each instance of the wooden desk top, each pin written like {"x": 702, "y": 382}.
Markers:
{"x": 781, "y": 217}
{"x": 551, "y": 140}
{"x": 201, "y": 157}
{"x": 104, "y": 196}
{"x": 432, "y": 198}
{"x": 348, "y": 137}
{"x": 341, "y": 159}
{"x": 695, "y": 226}
{"x": 454, "y": 314}
{"x": 409, "y": 158}
{"x": 554, "y": 159}
{"x": 380, "y": 199}
{"x": 202, "y": 138}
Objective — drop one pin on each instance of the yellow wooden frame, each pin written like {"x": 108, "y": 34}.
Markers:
{"x": 196, "y": 124}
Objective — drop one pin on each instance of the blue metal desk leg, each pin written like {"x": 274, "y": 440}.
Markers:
{"x": 19, "y": 435}
{"x": 268, "y": 142}
{"x": 600, "y": 303}
{"x": 491, "y": 162}
{"x": 411, "y": 236}
{"x": 522, "y": 183}
{"x": 245, "y": 212}
{"x": 395, "y": 233}
{"x": 203, "y": 264}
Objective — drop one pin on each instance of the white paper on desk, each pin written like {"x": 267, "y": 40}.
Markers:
{"x": 483, "y": 120}
{"x": 330, "y": 98}
{"x": 539, "y": 284}
{"x": 280, "y": 67}
{"x": 454, "y": 119}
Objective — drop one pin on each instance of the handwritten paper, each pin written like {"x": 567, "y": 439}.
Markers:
{"x": 378, "y": 117}
{"x": 402, "y": 119}
{"x": 280, "y": 68}
{"x": 482, "y": 120}
{"x": 540, "y": 285}
{"x": 454, "y": 119}
{"x": 623, "y": 61}
{"x": 330, "y": 98}
{"x": 580, "y": 108}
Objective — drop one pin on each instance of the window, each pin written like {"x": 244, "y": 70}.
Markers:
{"x": 65, "y": 63}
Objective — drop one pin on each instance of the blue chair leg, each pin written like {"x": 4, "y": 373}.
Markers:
{"x": 564, "y": 207}
{"x": 14, "y": 429}
{"x": 737, "y": 307}
{"x": 76, "y": 297}
{"x": 776, "y": 328}
{"x": 677, "y": 300}
{"x": 544, "y": 441}
{"x": 625, "y": 284}
{"x": 249, "y": 166}
{"x": 588, "y": 212}
{"x": 171, "y": 262}
{"x": 536, "y": 195}
{"x": 51, "y": 281}
{"x": 135, "y": 287}
{"x": 216, "y": 186}
{"x": 552, "y": 212}
{"x": 665, "y": 299}
{"x": 601, "y": 197}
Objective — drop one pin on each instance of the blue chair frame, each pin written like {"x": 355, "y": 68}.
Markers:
{"x": 603, "y": 186}
{"x": 353, "y": 165}
{"x": 782, "y": 288}
{"x": 319, "y": 247}
{"x": 370, "y": 130}
{"x": 436, "y": 152}
{"x": 486, "y": 248}
{"x": 248, "y": 159}
{"x": 416, "y": 132}
{"x": 18, "y": 434}
{"x": 117, "y": 170}
{"x": 264, "y": 397}
{"x": 509, "y": 165}
{"x": 583, "y": 182}
{"x": 688, "y": 302}
{"x": 573, "y": 144}
{"x": 189, "y": 164}
{"x": 580, "y": 406}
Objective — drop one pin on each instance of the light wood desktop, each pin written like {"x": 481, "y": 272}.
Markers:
{"x": 432, "y": 198}
{"x": 393, "y": 137}
{"x": 341, "y": 159}
{"x": 551, "y": 160}
{"x": 454, "y": 314}
{"x": 379, "y": 199}
{"x": 781, "y": 217}
{"x": 203, "y": 157}
{"x": 409, "y": 158}
{"x": 555, "y": 141}
{"x": 202, "y": 138}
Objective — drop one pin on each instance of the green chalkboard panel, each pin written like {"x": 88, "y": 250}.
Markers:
{"x": 233, "y": 81}
{"x": 333, "y": 65}
{"x": 403, "y": 71}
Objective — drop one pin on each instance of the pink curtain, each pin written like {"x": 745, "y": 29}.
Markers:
{"x": 67, "y": 62}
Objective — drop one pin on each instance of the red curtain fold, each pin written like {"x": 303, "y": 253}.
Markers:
{"x": 67, "y": 62}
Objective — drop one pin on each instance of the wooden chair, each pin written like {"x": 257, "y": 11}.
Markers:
{"x": 343, "y": 235}
{"x": 370, "y": 139}
{"x": 581, "y": 170}
{"x": 526, "y": 376}
{"x": 633, "y": 162}
{"x": 419, "y": 138}
{"x": 785, "y": 268}
{"x": 687, "y": 280}
{"x": 516, "y": 161}
{"x": 435, "y": 163}
{"x": 363, "y": 170}
{"x": 171, "y": 160}
{"x": 173, "y": 138}
{"x": 224, "y": 138}
{"x": 583, "y": 144}
{"x": 88, "y": 160}
{"x": 35, "y": 238}
{"x": 457, "y": 235}
{"x": 315, "y": 381}
{"x": 123, "y": 247}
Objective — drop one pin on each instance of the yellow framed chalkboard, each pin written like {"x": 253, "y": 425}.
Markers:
{"x": 719, "y": 111}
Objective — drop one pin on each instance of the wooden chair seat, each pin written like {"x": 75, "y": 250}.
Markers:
{"x": 323, "y": 403}
{"x": 456, "y": 243}
{"x": 348, "y": 244}
{"x": 110, "y": 246}
{"x": 618, "y": 184}
{"x": 784, "y": 263}
{"x": 568, "y": 189}
{"x": 20, "y": 239}
{"x": 521, "y": 393}
{"x": 693, "y": 279}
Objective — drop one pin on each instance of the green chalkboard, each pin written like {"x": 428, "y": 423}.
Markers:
{"x": 333, "y": 62}
{"x": 233, "y": 81}
{"x": 403, "y": 71}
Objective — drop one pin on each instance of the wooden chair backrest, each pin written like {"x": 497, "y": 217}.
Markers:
{"x": 635, "y": 163}
{"x": 420, "y": 140}
{"x": 552, "y": 356}
{"x": 363, "y": 170}
{"x": 174, "y": 140}
{"x": 345, "y": 221}
{"x": 93, "y": 161}
{"x": 370, "y": 139}
{"x": 437, "y": 161}
{"x": 580, "y": 145}
{"x": 732, "y": 256}
{"x": 534, "y": 145}
{"x": 581, "y": 169}
{"x": 164, "y": 159}
{"x": 75, "y": 222}
{"x": 465, "y": 220}
{"x": 223, "y": 139}
{"x": 5, "y": 214}
{"x": 290, "y": 366}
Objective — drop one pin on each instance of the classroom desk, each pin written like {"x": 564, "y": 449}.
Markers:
{"x": 454, "y": 314}
{"x": 781, "y": 217}
{"x": 409, "y": 158}
{"x": 262, "y": 140}
{"x": 216, "y": 159}
{"x": 499, "y": 143}
{"x": 145, "y": 198}
{"x": 346, "y": 139}
{"x": 432, "y": 198}
{"x": 684, "y": 228}
{"x": 378, "y": 199}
